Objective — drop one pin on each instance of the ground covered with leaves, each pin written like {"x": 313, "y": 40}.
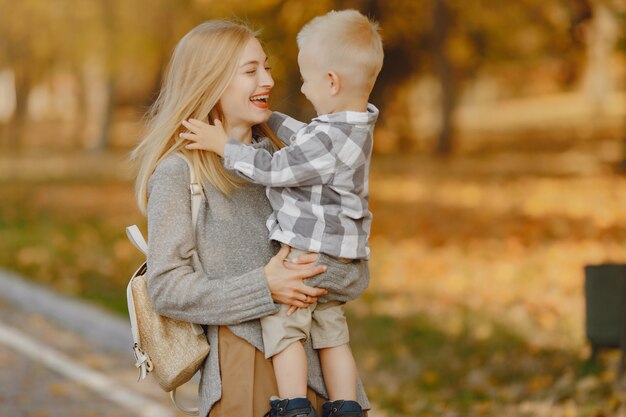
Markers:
{"x": 476, "y": 304}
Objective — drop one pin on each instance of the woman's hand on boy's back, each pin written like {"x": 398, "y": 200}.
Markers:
{"x": 205, "y": 136}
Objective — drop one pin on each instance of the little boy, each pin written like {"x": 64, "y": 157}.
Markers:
{"x": 318, "y": 188}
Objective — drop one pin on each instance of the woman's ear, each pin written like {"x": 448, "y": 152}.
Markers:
{"x": 333, "y": 80}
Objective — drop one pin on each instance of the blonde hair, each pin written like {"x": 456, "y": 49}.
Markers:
{"x": 202, "y": 66}
{"x": 348, "y": 43}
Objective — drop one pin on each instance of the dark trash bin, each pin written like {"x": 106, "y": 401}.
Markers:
{"x": 605, "y": 306}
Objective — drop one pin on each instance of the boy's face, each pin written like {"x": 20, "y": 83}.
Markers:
{"x": 315, "y": 81}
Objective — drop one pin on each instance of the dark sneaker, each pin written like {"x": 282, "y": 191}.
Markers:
{"x": 295, "y": 407}
{"x": 342, "y": 408}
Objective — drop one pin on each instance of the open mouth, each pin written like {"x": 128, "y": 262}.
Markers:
{"x": 260, "y": 100}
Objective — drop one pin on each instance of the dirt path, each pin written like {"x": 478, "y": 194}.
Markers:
{"x": 53, "y": 365}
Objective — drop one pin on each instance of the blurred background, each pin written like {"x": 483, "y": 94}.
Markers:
{"x": 498, "y": 174}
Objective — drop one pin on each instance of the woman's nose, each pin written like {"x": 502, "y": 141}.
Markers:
{"x": 267, "y": 80}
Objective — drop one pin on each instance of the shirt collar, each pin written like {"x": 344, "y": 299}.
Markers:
{"x": 367, "y": 117}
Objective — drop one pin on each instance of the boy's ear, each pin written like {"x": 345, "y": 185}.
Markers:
{"x": 333, "y": 80}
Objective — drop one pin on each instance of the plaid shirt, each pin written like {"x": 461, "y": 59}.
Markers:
{"x": 318, "y": 184}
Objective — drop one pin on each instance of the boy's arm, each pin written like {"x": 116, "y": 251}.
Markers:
{"x": 309, "y": 161}
{"x": 306, "y": 162}
{"x": 284, "y": 126}
{"x": 213, "y": 137}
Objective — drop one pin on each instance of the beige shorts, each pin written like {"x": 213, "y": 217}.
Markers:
{"x": 325, "y": 323}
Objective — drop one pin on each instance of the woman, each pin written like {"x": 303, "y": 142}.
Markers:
{"x": 227, "y": 277}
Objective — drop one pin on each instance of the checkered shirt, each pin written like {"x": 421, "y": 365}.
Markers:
{"x": 318, "y": 184}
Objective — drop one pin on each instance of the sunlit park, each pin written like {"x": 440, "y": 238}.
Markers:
{"x": 498, "y": 174}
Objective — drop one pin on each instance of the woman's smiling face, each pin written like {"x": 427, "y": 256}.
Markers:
{"x": 245, "y": 100}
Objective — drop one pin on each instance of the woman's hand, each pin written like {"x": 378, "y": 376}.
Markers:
{"x": 285, "y": 279}
{"x": 302, "y": 262}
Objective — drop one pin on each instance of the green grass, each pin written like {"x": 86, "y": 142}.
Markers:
{"x": 77, "y": 247}
{"x": 415, "y": 368}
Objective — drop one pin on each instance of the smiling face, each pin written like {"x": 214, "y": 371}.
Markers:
{"x": 245, "y": 100}
{"x": 315, "y": 81}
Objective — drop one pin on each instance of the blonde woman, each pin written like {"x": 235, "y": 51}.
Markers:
{"x": 229, "y": 275}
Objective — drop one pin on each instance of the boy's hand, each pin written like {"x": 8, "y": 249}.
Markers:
{"x": 205, "y": 136}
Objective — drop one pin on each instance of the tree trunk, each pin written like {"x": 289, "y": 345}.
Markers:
{"x": 387, "y": 94}
{"x": 14, "y": 130}
{"x": 101, "y": 140}
{"x": 78, "y": 133}
{"x": 445, "y": 74}
{"x": 601, "y": 36}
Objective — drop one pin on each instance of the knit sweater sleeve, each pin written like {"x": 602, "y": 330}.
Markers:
{"x": 177, "y": 284}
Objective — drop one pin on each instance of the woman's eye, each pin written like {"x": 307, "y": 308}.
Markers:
{"x": 268, "y": 68}
{"x": 251, "y": 72}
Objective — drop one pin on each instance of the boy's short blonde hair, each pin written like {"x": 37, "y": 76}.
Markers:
{"x": 348, "y": 43}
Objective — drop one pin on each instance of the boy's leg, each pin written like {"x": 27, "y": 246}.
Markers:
{"x": 290, "y": 368}
{"x": 282, "y": 339}
{"x": 329, "y": 332}
{"x": 339, "y": 370}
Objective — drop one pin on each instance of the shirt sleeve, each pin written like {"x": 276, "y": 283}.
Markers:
{"x": 176, "y": 288}
{"x": 310, "y": 160}
{"x": 284, "y": 126}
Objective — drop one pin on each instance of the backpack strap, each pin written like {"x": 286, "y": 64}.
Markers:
{"x": 136, "y": 238}
{"x": 195, "y": 189}
{"x": 142, "y": 360}
{"x": 196, "y": 192}
{"x": 134, "y": 234}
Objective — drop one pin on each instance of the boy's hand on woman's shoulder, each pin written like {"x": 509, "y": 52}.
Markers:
{"x": 205, "y": 136}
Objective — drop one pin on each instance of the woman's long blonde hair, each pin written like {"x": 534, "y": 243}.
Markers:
{"x": 202, "y": 65}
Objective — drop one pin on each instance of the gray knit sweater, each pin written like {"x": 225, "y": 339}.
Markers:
{"x": 219, "y": 280}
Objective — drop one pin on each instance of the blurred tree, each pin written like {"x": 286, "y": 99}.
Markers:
{"x": 442, "y": 27}
{"x": 619, "y": 8}
{"x": 407, "y": 48}
{"x": 454, "y": 40}
{"x": 29, "y": 42}
{"x": 135, "y": 42}
{"x": 116, "y": 50}
{"x": 110, "y": 33}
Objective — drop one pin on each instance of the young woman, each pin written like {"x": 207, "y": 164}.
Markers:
{"x": 229, "y": 275}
